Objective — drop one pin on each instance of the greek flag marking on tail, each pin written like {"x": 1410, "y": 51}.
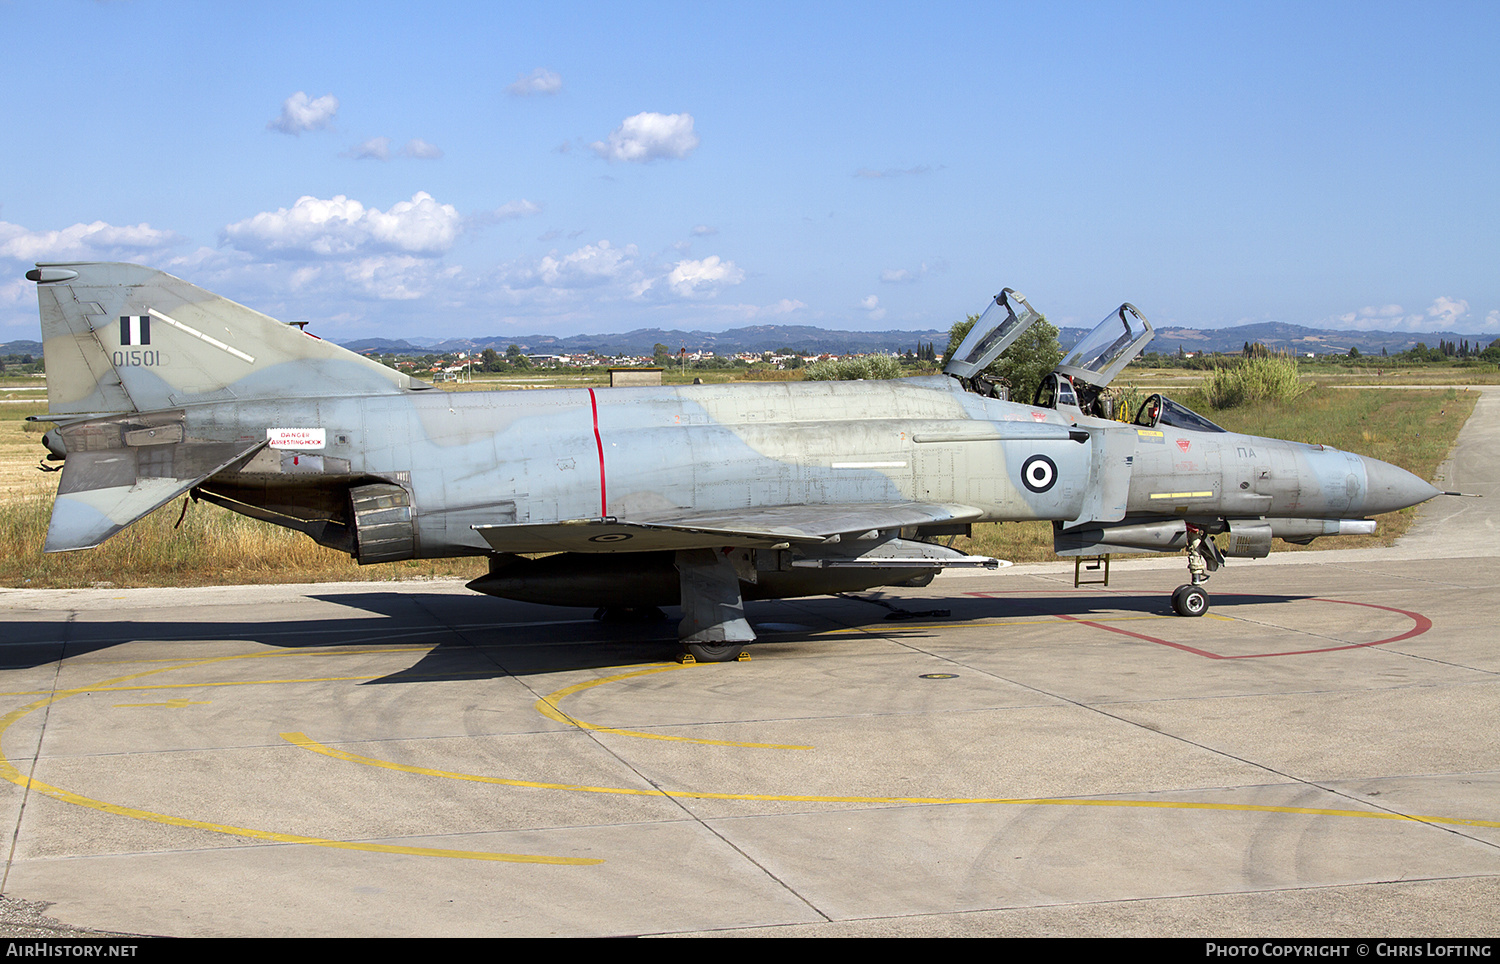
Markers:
{"x": 135, "y": 329}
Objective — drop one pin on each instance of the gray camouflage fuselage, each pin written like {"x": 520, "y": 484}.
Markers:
{"x": 653, "y": 495}
{"x": 533, "y": 457}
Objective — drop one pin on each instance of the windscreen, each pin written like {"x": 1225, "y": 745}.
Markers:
{"x": 1161, "y": 410}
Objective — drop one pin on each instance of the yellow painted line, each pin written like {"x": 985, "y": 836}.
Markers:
{"x": 305, "y": 742}
{"x": 547, "y": 706}
{"x": 1180, "y": 495}
{"x": 9, "y": 772}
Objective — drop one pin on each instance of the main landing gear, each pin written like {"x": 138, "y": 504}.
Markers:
{"x": 713, "y": 627}
{"x": 1203, "y": 557}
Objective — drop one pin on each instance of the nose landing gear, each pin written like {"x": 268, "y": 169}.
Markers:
{"x": 1203, "y": 557}
{"x": 1190, "y": 600}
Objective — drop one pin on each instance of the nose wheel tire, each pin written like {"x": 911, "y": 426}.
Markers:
{"x": 1190, "y": 601}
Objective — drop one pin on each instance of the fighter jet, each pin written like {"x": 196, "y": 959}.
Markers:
{"x": 701, "y": 496}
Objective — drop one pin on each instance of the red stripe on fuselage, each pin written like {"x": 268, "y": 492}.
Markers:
{"x": 599, "y": 442}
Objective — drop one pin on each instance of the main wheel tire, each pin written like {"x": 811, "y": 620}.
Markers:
{"x": 715, "y": 652}
{"x": 1190, "y": 601}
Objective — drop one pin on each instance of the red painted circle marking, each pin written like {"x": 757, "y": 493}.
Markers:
{"x": 1420, "y": 625}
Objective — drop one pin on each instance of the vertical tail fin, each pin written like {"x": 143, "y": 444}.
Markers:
{"x": 126, "y": 338}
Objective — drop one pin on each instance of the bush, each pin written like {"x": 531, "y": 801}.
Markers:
{"x": 848, "y": 369}
{"x": 1267, "y": 378}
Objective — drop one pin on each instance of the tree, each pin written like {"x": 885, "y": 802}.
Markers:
{"x": 1024, "y": 364}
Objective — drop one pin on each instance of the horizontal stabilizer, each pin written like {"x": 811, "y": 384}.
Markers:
{"x": 121, "y": 469}
{"x": 749, "y": 527}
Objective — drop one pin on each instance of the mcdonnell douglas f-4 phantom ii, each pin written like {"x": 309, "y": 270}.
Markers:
{"x": 701, "y": 496}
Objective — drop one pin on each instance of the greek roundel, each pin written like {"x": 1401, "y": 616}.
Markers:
{"x": 1038, "y": 473}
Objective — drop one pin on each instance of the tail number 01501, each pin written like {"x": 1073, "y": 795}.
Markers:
{"x": 137, "y": 358}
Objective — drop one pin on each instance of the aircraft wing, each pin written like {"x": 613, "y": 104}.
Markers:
{"x": 123, "y": 468}
{"x": 760, "y": 527}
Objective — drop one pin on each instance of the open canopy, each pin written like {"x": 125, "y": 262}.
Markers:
{"x": 1104, "y": 352}
{"x": 1000, "y": 325}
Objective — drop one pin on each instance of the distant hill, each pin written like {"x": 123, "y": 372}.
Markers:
{"x": 1279, "y": 336}
{"x": 809, "y": 340}
{"x": 757, "y": 338}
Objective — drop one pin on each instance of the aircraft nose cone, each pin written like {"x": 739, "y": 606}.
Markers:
{"x": 1388, "y": 488}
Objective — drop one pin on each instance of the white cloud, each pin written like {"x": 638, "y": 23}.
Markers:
{"x": 396, "y": 277}
{"x": 16, "y": 293}
{"x": 540, "y": 81}
{"x": 1444, "y": 314}
{"x": 420, "y": 149}
{"x": 299, "y": 113}
{"x": 741, "y": 313}
{"x": 508, "y": 211}
{"x": 560, "y": 284}
{"x": 18, "y": 310}
{"x": 1367, "y": 317}
{"x": 1446, "y": 311}
{"x": 341, "y": 226}
{"x": 374, "y": 149}
{"x": 590, "y": 265}
{"x": 379, "y": 149}
{"x": 389, "y": 277}
{"x": 907, "y": 276}
{"x": 871, "y": 304}
{"x": 704, "y": 230}
{"x": 649, "y": 137}
{"x": 703, "y": 279}
{"x": 1492, "y": 320}
{"x": 604, "y": 272}
{"x": 84, "y": 242}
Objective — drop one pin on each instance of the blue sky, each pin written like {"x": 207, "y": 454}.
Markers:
{"x": 475, "y": 169}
